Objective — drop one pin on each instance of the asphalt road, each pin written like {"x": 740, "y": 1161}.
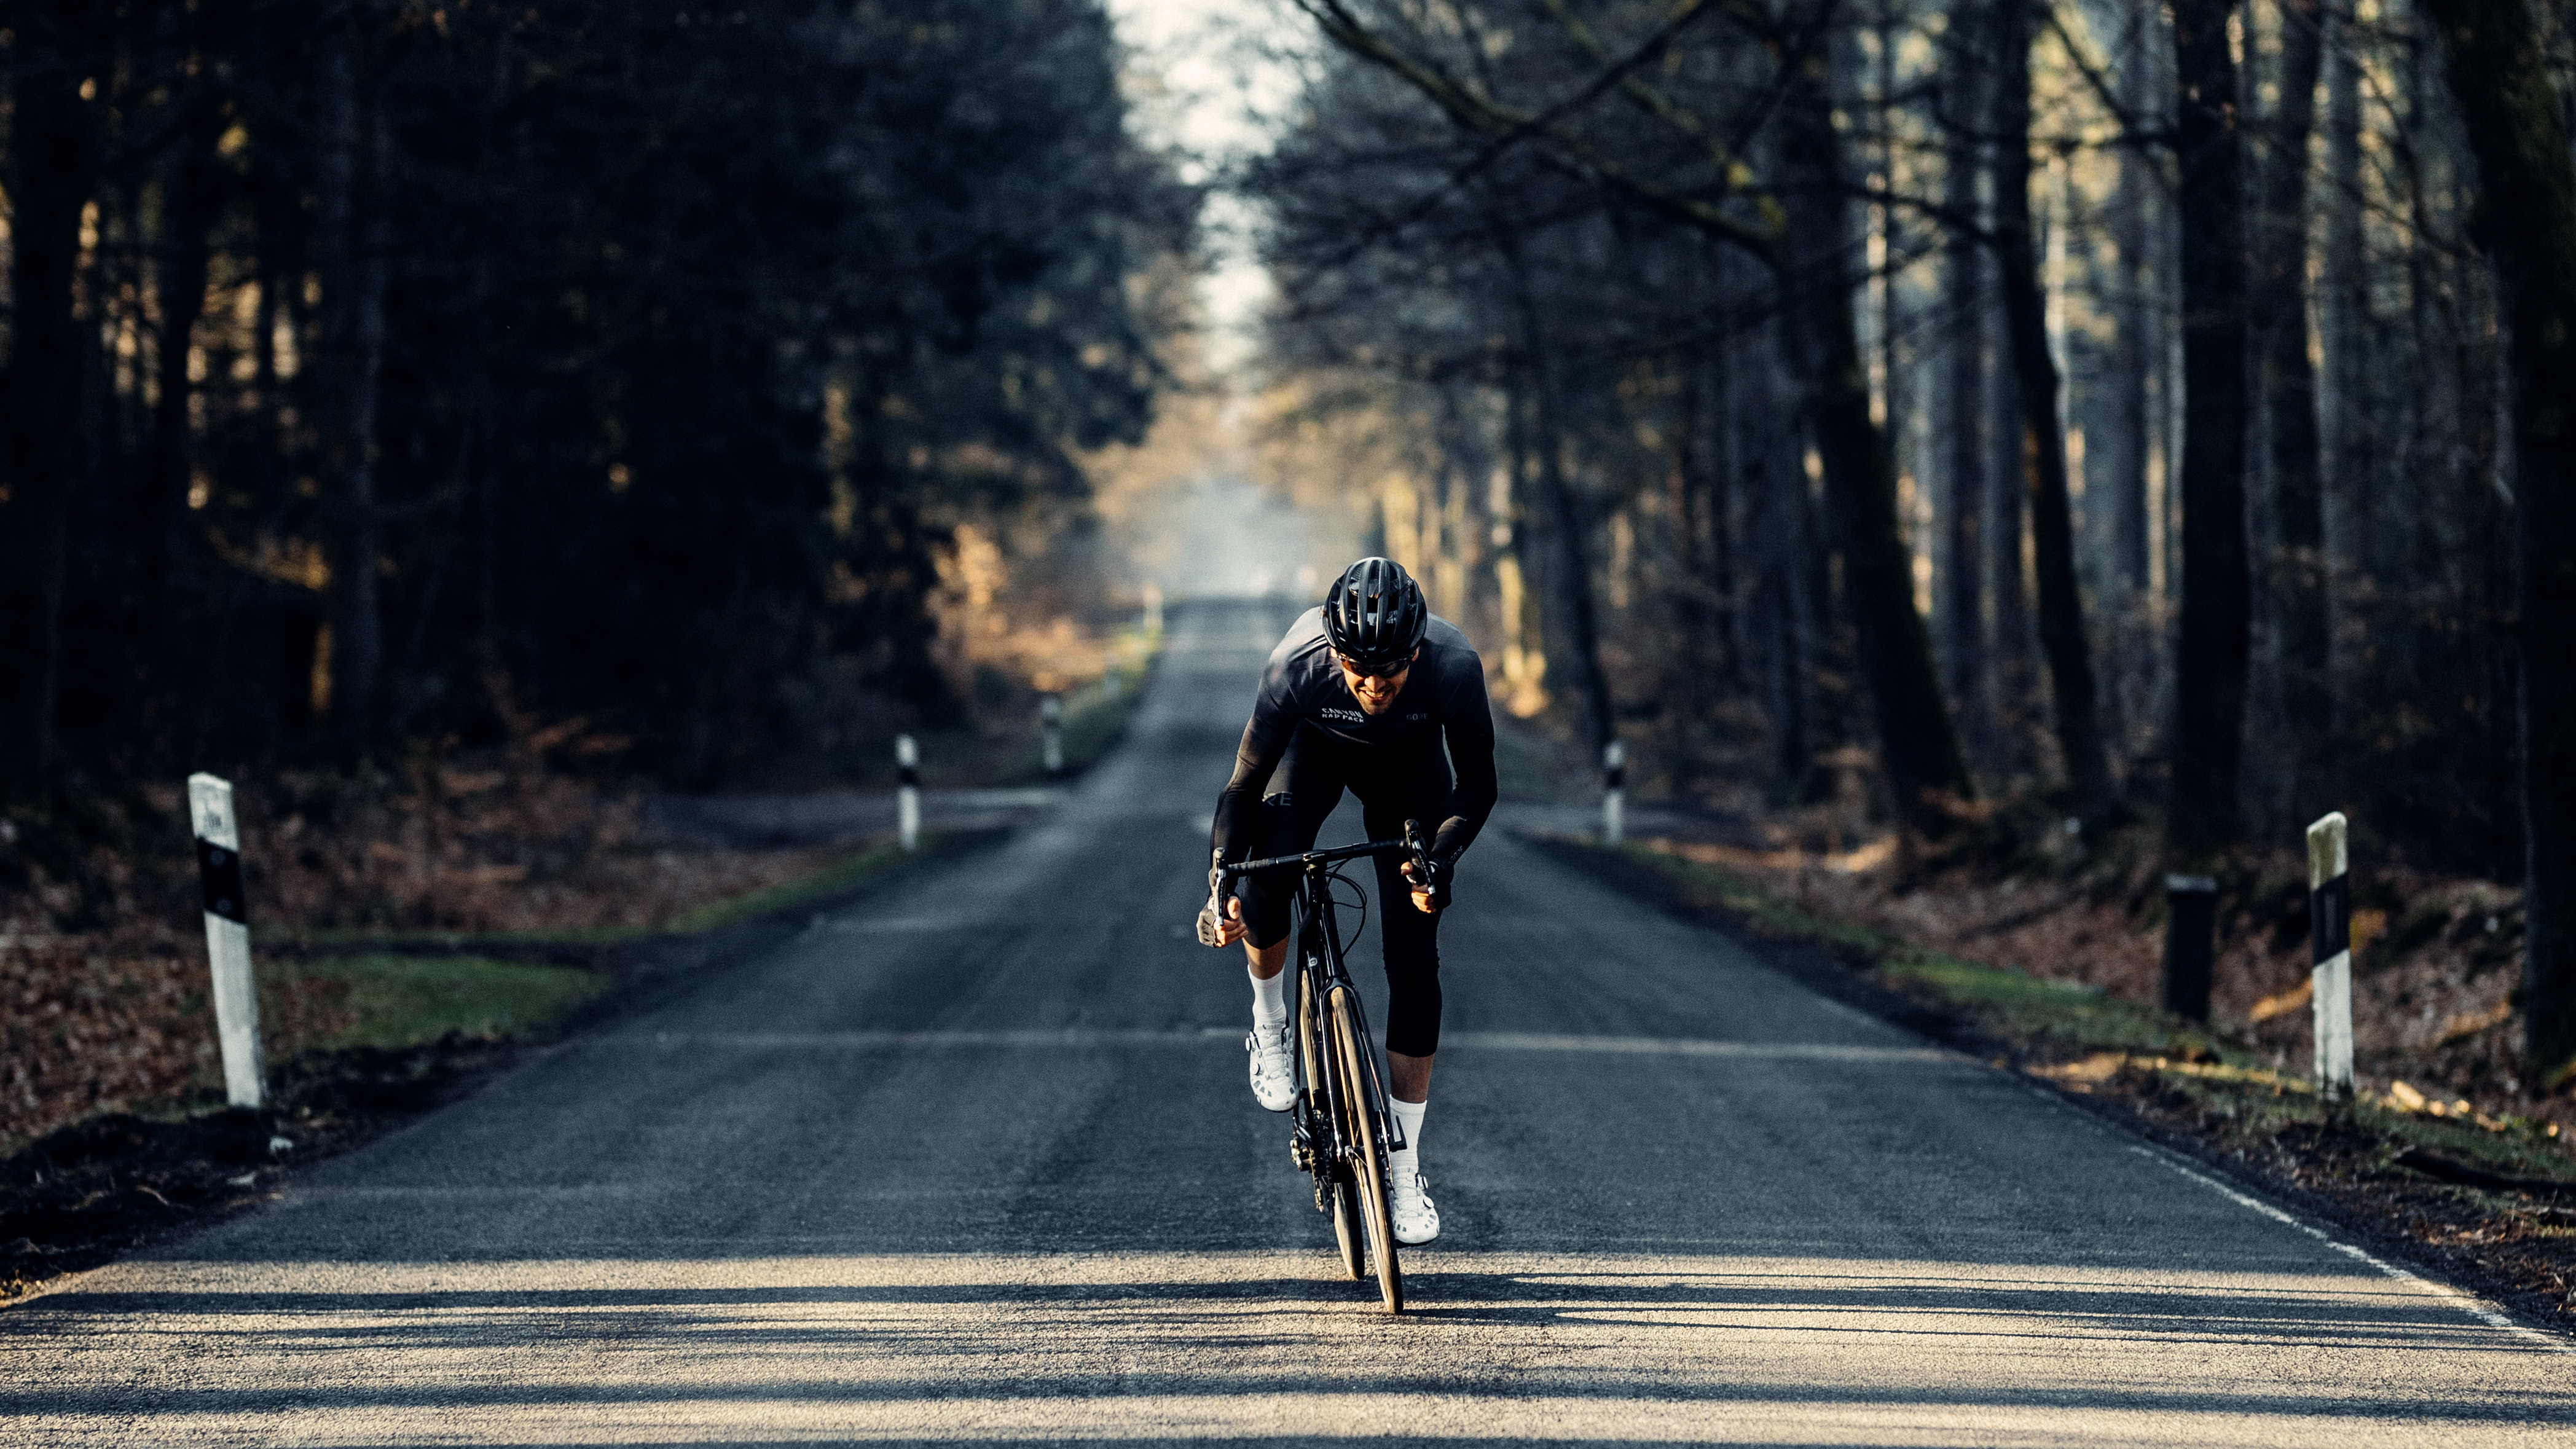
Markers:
{"x": 976, "y": 1161}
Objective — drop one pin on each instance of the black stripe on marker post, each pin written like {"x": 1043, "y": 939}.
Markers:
{"x": 2330, "y": 919}
{"x": 219, "y": 878}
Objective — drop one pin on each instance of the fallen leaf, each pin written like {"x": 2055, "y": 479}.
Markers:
{"x": 2284, "y": 1002}
{"x": 2461, "y": 1028}
{"x": 2099, "y": 1067}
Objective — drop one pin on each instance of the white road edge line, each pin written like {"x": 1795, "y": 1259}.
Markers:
{"x": 2459, "y": 1298}
{"x": 1500, "y": 1041}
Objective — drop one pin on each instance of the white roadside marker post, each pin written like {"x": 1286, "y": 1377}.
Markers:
{"x": 1614, "y": 791}
{"x": 2330, "y": 947}
{"x": 1051, "y": 733}
{"x": 219, "y": 875}
{"x": 907, "y": 793}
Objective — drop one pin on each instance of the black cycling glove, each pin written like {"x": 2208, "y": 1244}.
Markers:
{"x": 1441, "y": 875}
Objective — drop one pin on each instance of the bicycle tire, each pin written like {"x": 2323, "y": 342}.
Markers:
{"x": 1375, "y": 1214}
{"x": 1348, "y": 1235}
{"x": 1310, "y": 1070}
{"x": 1335, "y": 1187}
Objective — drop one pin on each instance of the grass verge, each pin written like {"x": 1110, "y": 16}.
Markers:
{"x": 1096, "y": 715}
{"x": 831, "y": 882}
{"x": 391, "y": 1000}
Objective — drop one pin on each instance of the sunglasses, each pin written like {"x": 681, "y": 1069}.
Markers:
{"x": 1381, "y": 672}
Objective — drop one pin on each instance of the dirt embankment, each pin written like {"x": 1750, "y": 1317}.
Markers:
{"x": 116, "y": 1015}
{"x": 2436, "y": 959}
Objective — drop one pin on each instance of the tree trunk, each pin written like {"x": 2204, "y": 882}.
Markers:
{"x": 1573, "y": 560}
{"x": 351, "y": 336}
{"x": 1788, "y": 610}
{"x": 2344, "y": 310}
{"x": 2006, "y": 506}
{"x": 189, "y": 211}
{"x": 1963, "y": 596}
{"x": 1920, "y": 749}
{"x": 1511, "y": 575}
{"x": 2499, "y": 73}
{"x": 2297, "y": 576}
{"x": 2043, "y": 438}
{"x": 2138, "y": 350}
{"x": 2210, "y": 659}
{"x": 54, "y": 140}
{"x": 1726, "y": 542}
{"x": 1700, "y": 657}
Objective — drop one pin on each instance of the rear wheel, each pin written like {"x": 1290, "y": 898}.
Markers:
{"x": 1369, "y": 1165}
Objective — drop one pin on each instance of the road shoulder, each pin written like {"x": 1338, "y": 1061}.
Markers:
{"x": 2508, "y": 1233}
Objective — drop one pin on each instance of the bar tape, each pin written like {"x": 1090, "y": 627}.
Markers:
{"x": 219, "y": 875}
{"x": 2330, "y": 919}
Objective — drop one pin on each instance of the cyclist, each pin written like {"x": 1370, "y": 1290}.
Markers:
{"x": 1362, "y": 695}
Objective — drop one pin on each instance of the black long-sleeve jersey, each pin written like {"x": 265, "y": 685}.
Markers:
{"x": 1443, "y": 700}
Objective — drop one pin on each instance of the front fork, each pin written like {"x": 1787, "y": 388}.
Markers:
{"x": 1306, "y": 1121}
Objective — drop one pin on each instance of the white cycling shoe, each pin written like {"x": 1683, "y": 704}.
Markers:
{"x": 1274, "y": 1076}
{"x": 1409, "y": 1203}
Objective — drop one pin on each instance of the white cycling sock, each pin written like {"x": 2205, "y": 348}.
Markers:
{"x": 1269, "y": 1000}
{"x": 1408, "y": 1125}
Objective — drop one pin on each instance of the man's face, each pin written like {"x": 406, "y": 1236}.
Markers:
{"x": 1376, "y": 692}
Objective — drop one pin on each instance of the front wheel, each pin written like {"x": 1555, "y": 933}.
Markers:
{"x": 1347, "y": 1232}
{"x": 1369, "y": 1165}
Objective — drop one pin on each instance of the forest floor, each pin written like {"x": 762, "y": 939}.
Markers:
{"x": 2020, "y": 944}
{"x": 413, "y": 934}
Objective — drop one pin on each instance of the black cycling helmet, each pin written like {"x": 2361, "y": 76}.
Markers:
{"x": 1374, "y": 614}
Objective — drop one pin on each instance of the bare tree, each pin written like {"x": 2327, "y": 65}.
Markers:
{"x": 2295, "y": 577}
{"x": 2062, "y": 635}
{"x": 2500, "y": 75}
{"x": 2211, "y": 654}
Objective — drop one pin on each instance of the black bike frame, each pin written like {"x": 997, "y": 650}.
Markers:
{"x": 1320, "y": 944}
{"x": 1318, "y": 938}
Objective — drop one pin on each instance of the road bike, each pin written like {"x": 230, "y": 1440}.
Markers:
{"x": 1338, "y": 1128}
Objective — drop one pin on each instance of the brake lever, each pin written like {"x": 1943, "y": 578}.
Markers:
{"x": 1418, "y": 856}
